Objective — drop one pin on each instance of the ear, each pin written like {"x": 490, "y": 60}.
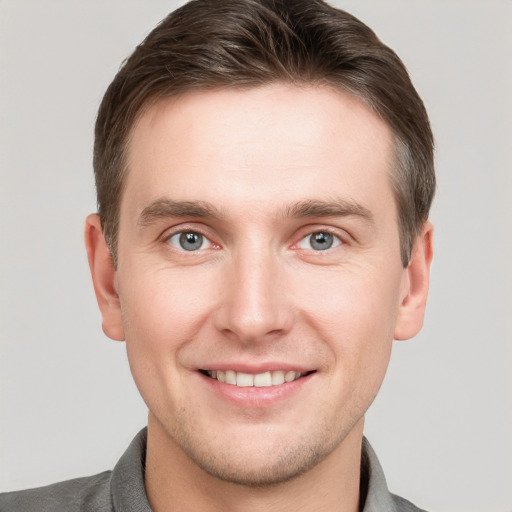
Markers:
{"x": 104, "y": 278}
{"x": 415, "y": 287}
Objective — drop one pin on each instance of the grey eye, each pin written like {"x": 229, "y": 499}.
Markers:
{"x": 319, "y": 241}
{"x": 189, "y": 241}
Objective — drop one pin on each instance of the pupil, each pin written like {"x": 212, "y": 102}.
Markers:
{"x": 321, "y": 241}
{"x": 191, "y": 241}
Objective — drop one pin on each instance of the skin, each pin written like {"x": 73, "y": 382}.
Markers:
{"x": 256, "y": 172}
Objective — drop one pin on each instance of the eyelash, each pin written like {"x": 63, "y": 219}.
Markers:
{"x": 335, "y": 242}
{"x": 177, "y": 234}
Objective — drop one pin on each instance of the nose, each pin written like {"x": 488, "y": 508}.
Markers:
{"x": 254, "y": 301}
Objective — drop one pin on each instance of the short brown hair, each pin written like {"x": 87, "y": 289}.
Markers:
{"x": 212, "y": 44}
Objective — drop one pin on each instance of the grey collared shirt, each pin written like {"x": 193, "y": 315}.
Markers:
{"x": 122, "y": 490}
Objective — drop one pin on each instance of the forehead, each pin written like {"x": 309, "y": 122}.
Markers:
{"x": 264, "y": 145}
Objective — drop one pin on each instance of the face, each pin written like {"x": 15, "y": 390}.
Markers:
{"x": 259, "y": 280}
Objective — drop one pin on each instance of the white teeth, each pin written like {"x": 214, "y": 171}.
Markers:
{"x": 289, "y": 377}
{"x": 259, "y": 380}
{"x": 263, "y": 380}
{"x": 244, "y": 380}
{"x": 230, "y": 377}
{"x": 277, "y": 378}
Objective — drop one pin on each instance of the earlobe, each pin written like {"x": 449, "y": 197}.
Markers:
{"x": 416, "y": 284}
{"x": 104, "y": 278}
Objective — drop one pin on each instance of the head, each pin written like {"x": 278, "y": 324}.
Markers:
{"x": 264, "y": 174}
{"x": 242, "y": 44}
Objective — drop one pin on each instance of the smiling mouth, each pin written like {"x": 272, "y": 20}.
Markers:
{"x": 259, "y": 380}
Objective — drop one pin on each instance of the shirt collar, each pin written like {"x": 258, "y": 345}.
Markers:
{"x": 378, "y": 497}
{"x": 127, "y": 480}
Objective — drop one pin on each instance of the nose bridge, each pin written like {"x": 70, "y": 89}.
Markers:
{"x": 253, "y": 305}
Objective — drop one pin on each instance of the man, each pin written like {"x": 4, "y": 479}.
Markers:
{"x": 264, "y": 173}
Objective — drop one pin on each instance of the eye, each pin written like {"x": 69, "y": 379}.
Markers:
{"x": 319, "y": 241}
{"x": 189, "y": 241}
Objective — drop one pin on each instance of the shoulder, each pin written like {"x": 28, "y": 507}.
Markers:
{"x": 402, "y": 505}
{"x": 78, "y": 495}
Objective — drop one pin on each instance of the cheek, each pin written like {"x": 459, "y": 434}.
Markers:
{"x": 355, "y": 314}
{"x": 352, "y": 300}
{"x": 162, "y": 314}
{"x": 163, "y": 304}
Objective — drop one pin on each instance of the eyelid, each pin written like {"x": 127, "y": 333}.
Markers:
{"x": 205, "y": 241}
{"x": 307, "y": 231}
{"x": 336, "y": 243}
{"x": 188, "y": 228}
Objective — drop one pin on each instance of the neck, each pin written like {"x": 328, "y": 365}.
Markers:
{"x": 174, "y": 482}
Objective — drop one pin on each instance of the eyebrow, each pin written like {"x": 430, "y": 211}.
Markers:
{"x": 332, "y": 208}
{"x": 168, "y": 208}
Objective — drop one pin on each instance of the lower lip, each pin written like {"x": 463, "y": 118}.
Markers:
{"x": 255, "y": 397}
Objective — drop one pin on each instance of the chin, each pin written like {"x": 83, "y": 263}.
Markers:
{"x": 249, "y": 459}
{"x": 254, "y": 472}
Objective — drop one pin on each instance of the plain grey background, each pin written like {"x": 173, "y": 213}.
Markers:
{"x": 442, "y": 425}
